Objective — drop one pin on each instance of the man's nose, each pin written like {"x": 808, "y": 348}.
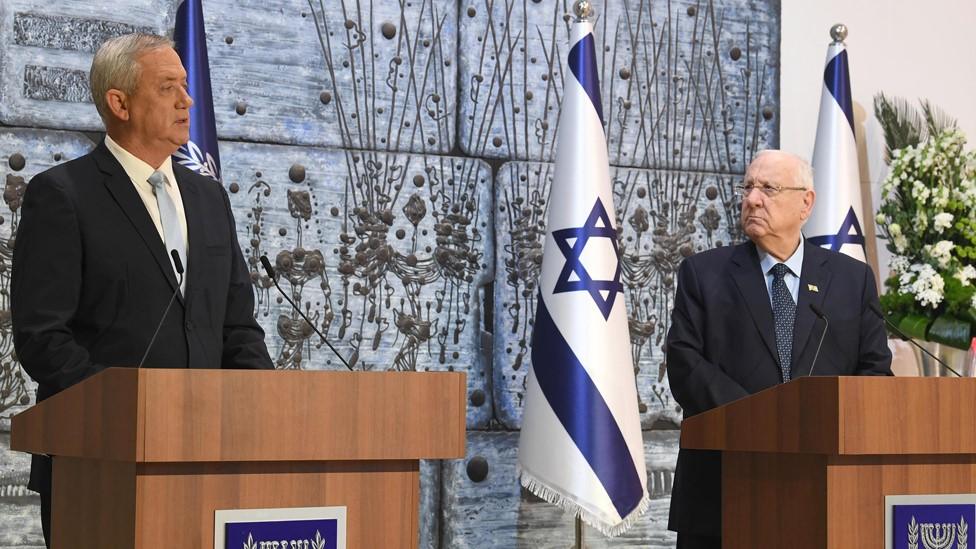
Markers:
{"x": 753, "y": 197}
{"x": 185, "y": 100}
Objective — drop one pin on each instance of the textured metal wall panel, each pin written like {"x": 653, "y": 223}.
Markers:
{"x": 46, "y": 50}
{"x": 690, "y": 85}
{"x": 485, "y": 507}
{"x": 663, "y": 216}
{"x": 363, "y": 75}
{"x": 387, "y": 253}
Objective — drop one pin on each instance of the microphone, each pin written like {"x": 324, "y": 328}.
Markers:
{"x": 817, "y": 311}
{"x": 178, "y": 264}
{"x": 274, "y": 278}
{"x": 874, "y": 309}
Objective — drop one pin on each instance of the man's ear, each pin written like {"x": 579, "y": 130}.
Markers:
{"x": 117, "y": 103}
{"x": 809, "y": 197}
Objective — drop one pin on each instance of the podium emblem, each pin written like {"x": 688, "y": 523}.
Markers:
{"x": 929, "y": 521}
{"x": 938, "y": 535}
{"x": 284, "y": 528}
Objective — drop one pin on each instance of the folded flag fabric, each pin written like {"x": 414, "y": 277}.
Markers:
{"x": 200, "y": 152}
{"x": 580, "y": 445}
{"x": 837, "y": 218}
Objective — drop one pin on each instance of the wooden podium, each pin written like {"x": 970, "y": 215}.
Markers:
{"x": 145, "y": 457}
{"x": 808, "y": 464}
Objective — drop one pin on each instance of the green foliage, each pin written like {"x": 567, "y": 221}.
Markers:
{"x": 950, "y": 331}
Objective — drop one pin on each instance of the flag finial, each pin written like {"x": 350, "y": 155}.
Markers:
{"x": 838, "y": 32}
{"x": 583, "y": 9}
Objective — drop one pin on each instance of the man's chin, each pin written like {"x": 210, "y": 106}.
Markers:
{"x": 754, "y": 231}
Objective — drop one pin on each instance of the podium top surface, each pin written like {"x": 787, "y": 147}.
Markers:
{"x": 844, "y": 416}
{"x": 168, "y": 415}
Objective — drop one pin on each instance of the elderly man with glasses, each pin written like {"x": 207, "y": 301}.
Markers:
{"x": 750, "y": 316}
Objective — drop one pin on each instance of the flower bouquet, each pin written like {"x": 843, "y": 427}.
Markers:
{"x": 928, "y": 215}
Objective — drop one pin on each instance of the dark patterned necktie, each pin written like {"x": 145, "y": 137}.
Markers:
{"x": 784, "y": 313}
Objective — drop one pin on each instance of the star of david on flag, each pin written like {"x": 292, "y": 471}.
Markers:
{"x": 836, "y": 218}
{"x": 580, "y": 446}
{"x": 603, "y": 292}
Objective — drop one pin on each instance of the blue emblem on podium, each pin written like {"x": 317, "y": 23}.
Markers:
{"x": 286, "y": 528}
{"x": 930, "y": 522}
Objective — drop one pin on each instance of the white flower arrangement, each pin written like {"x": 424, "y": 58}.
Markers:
{"x": 942, "y": 221}
{"x": 928, "y": 215}
{"x": 966, "y": 275}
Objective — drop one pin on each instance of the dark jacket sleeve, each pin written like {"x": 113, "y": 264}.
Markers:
{"x": 46, "y": 287}
{"x": 244, "y": 346}
{"x": 874, "y": 356}
{"x": 697, "y": 384}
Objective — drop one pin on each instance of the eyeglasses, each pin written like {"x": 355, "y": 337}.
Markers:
{"x": 766, "y": 189}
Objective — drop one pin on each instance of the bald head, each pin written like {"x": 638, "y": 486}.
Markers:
{"x": 801, "y": 172}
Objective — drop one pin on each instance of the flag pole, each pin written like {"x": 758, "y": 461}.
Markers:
{"x": 579, "y": 532}
{"x": 583, "y": 10}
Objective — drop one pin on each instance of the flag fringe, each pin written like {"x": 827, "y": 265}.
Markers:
{"x": 556, "y": 497}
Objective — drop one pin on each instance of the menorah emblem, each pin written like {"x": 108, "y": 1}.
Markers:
{"x": 938, "y": 535}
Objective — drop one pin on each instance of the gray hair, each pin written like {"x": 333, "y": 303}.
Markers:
{"x": 802, "y": 170}
{"x": 116, "y": 66}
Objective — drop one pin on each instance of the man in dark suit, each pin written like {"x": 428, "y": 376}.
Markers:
{"x": 744, "y": 320}
{"x": 92, "y": 269}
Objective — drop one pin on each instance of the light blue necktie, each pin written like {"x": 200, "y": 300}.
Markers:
{"x": 170, "y": 219}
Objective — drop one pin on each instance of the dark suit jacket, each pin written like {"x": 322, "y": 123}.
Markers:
{"x": 91, "y": 279}
{"x": 722, "y": 346}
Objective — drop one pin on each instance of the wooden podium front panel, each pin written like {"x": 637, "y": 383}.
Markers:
{"x": 93, "y": 504}
{"x": 857, "y": 486}
{"x": 774, "y": 501}
{"x": 175, "y": 503}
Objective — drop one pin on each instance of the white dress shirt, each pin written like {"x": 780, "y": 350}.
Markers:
{"x": 139, "y": 172}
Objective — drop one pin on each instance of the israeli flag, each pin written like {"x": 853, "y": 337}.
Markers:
{"x": 200, "y": 152}
{"x": 580, "y": 444}
{"x": 837, "y": 218}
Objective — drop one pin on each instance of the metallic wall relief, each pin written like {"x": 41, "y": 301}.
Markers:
{"x": 386, "y": 253}
{"x": 687, "y": 85}
{"x": 356, "y": 75}
{"x": 46, "y": 50}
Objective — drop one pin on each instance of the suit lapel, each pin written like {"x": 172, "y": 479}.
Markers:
{"x": 194, "y": 223}
{"x": 120, "y": 187}
{"x": 749, "y": 279}
{"x": 814, "y": 284}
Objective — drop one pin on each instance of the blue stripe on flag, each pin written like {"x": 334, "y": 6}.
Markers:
{"x": 582, "y": 62}
{"x": 838, "y": 82}
{"x": 584, "y": 413}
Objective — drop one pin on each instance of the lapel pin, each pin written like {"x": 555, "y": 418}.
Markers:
{"x": 813, "y": 288}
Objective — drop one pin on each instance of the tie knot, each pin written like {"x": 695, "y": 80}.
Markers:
{"x": 157, "y": 179}
{"x": 780, "y": 270}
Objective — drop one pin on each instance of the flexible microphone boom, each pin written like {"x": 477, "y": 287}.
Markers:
{"x": 817, "y": 311}
{"x": 179, "y": 272}
{"x": 874, "y": 309}
{"x": 274, "y": 278}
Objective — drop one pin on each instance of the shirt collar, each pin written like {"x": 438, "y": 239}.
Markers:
{"x": 794, "y": 263}
{"x": 137, "y": 169}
